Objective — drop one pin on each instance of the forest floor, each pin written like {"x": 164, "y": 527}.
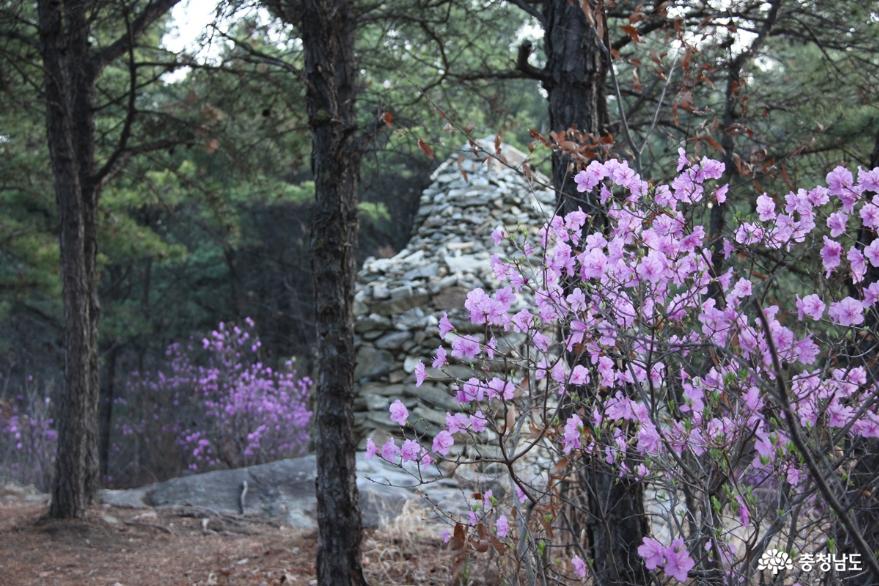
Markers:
{"x": 130, "y": 547}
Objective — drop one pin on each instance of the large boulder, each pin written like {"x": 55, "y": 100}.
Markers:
{"x": 285, "y": 491}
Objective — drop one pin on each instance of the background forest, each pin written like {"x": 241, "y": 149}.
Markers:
{"x": 203, "y": 149}
{"x": 207, "y": 219}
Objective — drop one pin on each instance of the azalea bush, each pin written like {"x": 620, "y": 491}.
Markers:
{"x": 729, "y": 377}
{"x": 215, "y": 403}
{"x": 28, "y": 438}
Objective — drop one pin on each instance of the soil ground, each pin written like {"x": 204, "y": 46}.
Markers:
{"x": 129, "y": 547}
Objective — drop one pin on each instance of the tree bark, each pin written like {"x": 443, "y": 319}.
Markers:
{"x": 574, "y": 78}
{"x": 327, "y": 30}
{"x": 607, "y": 509}
{"x": 69, "y": 86}
{"x": 70, "y": 72}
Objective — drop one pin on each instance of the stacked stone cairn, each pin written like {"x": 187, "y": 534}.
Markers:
{"x": 399, "y": 300}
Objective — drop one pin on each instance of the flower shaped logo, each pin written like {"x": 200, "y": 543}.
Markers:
{"x": 775, "y": 560}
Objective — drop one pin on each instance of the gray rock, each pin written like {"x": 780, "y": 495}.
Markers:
{"x": 372, "y": 362}
{"x": 282, "y": 490}
{"x": 465, "y": 264}
{"x": 450, "y": 298}
{"x": 393, "y": 340}
{"x": 426, "y": 271}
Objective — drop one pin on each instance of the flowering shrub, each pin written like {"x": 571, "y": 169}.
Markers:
{"x": 217, "y": 403}
{"x": 735, "y": 396}
{"x": 28, "y": 438}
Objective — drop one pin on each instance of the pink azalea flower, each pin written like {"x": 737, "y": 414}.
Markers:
{"x": 678, "y": 561}
{"x": 440, "y": 358}
{"x": 811, "y": 306}
{"x": 445, "y": 326}
{"x": 390, "y": 451}
{"x": 682, "y": 159}
{"x": 420, "y": 374}
{"x": 848, "y": 312}
{"x": 498, "y": 235}
{"x": 572, "y": 433}
{"x": 399, "y": 413}
{"x": 579, "y": 375}
{"x": 652, "y": 552}
{"x": 837, "y": 223}
{"x": 831, "y": 254}
{"x": 410, "y": 450}
{"x": 579, "y": 566}
{"x": 765, "y": 208}
{"x": 502, "y": 526}
{"x": 443, "y": 442}
{"x": 872, "y": 252}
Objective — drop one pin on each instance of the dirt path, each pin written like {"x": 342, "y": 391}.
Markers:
{"x": 126, "y": 547}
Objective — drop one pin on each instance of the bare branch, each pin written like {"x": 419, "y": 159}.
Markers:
{"x": 154, "y": 10}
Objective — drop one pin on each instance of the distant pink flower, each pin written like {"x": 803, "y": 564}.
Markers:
{"x": 410, "y": 450}
{"x": 837, "y": 223}
{"x": 498, "y": 235}
{"x": 440, "y": 358}
{"x": 443, "y": 442}
{"x": 652, "y": 552}
{"x": 579, "y": 375}
{"x": 831, "y": 254}
{"x": 522, "y": 320}
{"x": 502, "y": 526}
{"x": 711, "y": 168}
{"x": 371, "y": 449}
{"x": 839, "y": 180}
{"x": 420, "y": 374}
{"x": 399, "y": 413}
{"x": 649, "y": 441}
{"x": 579, "y": 566}
{"x": 491, "y": 348}
{"x": 742, "y": 288}
{"x": 811, "y": 306}
{"x": 457, "y": 422}
{"x": 765, "y": 208}
{"x": 445, "y": 326}
{"x": 871, "y": 294}
{"x": 872, "y": 252}
{"x": 682, "y": 159}
{"x": 848, "y": 312}
{"x": 678, "y": 561}
{"x": 653, "y": 266}
{"x": 857, "y": 264}
{"x": 572, "y": 433}
{"x": 870, "y": 214}
{"x": 465, "y": 348}
{"x": 390, "y": 451}
{"x": 478, "y": 422}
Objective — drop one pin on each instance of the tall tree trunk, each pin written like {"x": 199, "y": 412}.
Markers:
{"x": 71, "y": 69}
{"x": 328, "y": 40}
{"x": 575, "y": 75}
{"x": 69, "y": 86}
{"x": 614, "y": 522}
